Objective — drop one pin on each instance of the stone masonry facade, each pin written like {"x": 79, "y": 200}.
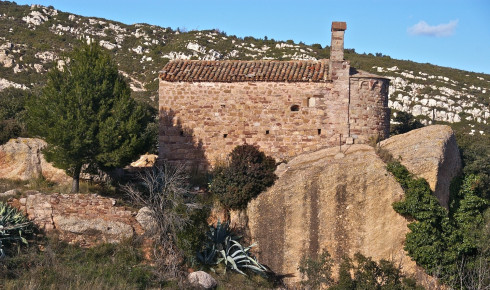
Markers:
{"x": 284, "y": 107}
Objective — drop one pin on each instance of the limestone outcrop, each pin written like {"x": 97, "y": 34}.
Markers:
{"x": 22, "y": 159}
{"x": 86, "y": 219}
{"x": 342, "y": 202}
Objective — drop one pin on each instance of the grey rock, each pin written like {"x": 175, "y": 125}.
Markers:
{"x": 202, "y": 279}
{"x": 145, "y": 219}
{"x": 11, "y": 192}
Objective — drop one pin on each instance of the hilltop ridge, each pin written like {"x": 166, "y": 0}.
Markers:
{"x": 35, "y": 38}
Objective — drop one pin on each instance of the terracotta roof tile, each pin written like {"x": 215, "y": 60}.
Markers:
{"x": 245, "y": 71}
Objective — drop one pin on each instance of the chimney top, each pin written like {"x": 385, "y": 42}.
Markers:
{"x": 339, "y": 26}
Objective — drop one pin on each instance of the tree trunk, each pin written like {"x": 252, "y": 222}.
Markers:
{"x": 75, "y": 185}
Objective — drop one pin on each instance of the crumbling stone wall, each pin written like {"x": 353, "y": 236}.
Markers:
{"x": 86, "y": 219}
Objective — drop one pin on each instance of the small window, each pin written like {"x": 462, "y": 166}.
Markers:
{"x": 181, "y": 133}
{"x": 266, "y": 132}
{"x": 223, "y": 106}
{"x": 225, "y": 135}
{"x": 294, "y": 108}
{"x": 319, "y": 131}
{"x": 311, "y": 102}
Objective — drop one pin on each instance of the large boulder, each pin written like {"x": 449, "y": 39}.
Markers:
{"x": 22, "y": 159}
{"x": 341, "y": 202}
{"x": 431, "y": 153}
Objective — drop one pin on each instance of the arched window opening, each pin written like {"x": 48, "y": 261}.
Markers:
{"x": 295, "y": 108}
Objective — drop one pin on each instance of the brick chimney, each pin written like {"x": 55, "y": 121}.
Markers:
{"x": 337, "y": 44}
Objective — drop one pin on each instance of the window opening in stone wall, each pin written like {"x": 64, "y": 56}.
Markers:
{"x": 266, "y": 132}
{"x": 181, "y": 133}
{"x": 294, "y": 108}
{"x": 225, "y": 135}
{"x": 319, "y": 131}
{"x": 311, "y": 102}
{"x": 223, "y": 106}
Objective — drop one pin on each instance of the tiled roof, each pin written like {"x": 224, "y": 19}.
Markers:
{"x": 244, "y": 71}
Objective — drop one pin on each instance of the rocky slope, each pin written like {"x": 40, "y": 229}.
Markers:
{"x": 34, "y": 38}
{"x": 342, "y": 202}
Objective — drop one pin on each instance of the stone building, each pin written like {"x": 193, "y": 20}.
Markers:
{"x": 285, "y": 107}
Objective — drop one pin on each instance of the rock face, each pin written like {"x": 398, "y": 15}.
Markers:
{"x": 431, "y": 153}
{"x": 21, "y": 158}
{"x": 202, "y": 279}
{"x": 342, "y": 203}
{"x": 87, "y": 219}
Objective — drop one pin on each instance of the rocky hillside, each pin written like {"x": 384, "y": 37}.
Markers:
{"x": 33, "y": 39}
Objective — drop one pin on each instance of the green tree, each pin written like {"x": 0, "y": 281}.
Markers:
{"x": 248, "y": 173}
{"x": 12, "y": 113}
{"x": 405, "y": 123}
{"x": 86, "y": 115}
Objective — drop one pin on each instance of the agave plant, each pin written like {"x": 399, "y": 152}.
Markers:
{"x": 13, "y": 225}
{"x": 223, "y": 247}
{"x": 237, "y": 257}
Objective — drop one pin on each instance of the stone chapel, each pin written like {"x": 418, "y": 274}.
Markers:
{"x": 284, "y": 107}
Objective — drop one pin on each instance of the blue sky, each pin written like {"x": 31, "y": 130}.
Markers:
{"x": 446, "y": 33}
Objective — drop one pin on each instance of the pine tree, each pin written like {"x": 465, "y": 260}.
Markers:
{"x": 86, "y": 115}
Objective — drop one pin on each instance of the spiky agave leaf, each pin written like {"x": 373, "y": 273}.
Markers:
{"x": 13, "y": 225}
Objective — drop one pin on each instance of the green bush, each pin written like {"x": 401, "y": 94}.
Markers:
{"x": 316, "y": 273}
{"x": 405, "y": 123}
{"x": 12, "y": 114}
{"x": 248, "y": 173}
{"x": 358, "y": 273}
{"x": 439, "y": 239}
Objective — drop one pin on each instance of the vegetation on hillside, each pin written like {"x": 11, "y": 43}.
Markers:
{"x": 12, "y": 114}
{"x": 452, "y": 244}
{"x": 245, "y": 175}
{"x": 448, "y": 244}
{"x": 87, "y": 117}
{"x": 361, "y": 272}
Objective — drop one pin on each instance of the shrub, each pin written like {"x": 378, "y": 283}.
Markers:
{"x": 163, "y": 190}
{"x": 369, "y": 274}
{"x": 440, "y": 239}
{"x": 406, "y": 122}
{"x": 316, "y": 272}
{"x": 248, "y": 173}
{"x": 13, "y": 227}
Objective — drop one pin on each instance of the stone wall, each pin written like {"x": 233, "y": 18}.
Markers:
{"x": 87, "y": 219}
{"x": 207, "y": 120}
{"x": 369, "y": 113}
{"x": 201, "y": 122}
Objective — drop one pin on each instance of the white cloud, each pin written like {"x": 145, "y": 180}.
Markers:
{"x": 441, "y": 30}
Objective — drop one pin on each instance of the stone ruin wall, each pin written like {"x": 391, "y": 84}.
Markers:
{"x": 201, "y": 122}
{"x": 369, "y": 113}
{"x": 86, "y": 219}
